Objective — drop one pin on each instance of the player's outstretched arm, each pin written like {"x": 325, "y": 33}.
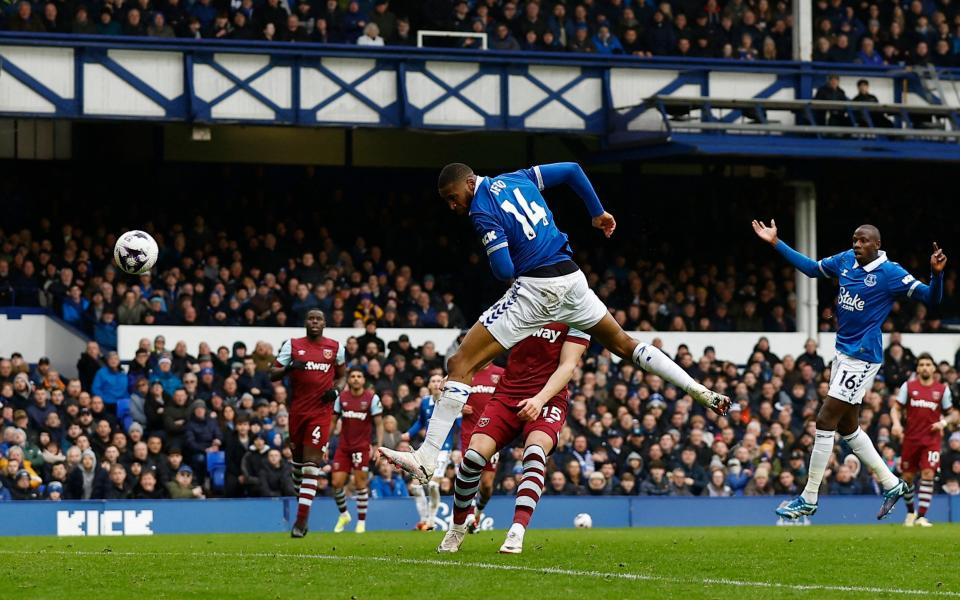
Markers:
{"x": 803, "y": 263}
{"x": 931, "y": 294}
{"x": 569, "y": 358}
{"x": 572, "y": 174}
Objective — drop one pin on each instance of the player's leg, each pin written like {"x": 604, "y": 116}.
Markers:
{"x": 433, "y": 488}
{"x": 537, "y": 447}
{"x": 338, "y": 481}
{"x": 862, "y": 446}
{"x": 908, "y": 497}
{"x": 423, "y": 506}
{"x": 311, "y": 441}
{"x": 650, "y": 358}
{"x": 487, "y": 479}
{"x": 827, "y": 419}
{"x": 925, "y": 491}
{"x": 465, "y": 488}
{"x": 363, "y": 496}
{"x": 478, "y": 348}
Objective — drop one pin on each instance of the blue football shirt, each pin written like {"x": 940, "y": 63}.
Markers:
{"x": 508, "y": 211}
{"x": 864, "y": 300}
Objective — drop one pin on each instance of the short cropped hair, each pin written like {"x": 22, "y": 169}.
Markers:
{"x": 453, "y": 173}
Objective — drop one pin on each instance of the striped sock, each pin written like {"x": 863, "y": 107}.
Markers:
{"x": 466, "y": 485}
{"x": 482, "y": 500}
{"x": 308, "y": 489}
{"x": 341, "y": 498}
{"x": 531, "y": 484}
{"x": 363, "y": 496}
{"x": 925, "y": 495}
{"x": 296, "y": 473}
{"x": 908, "y": 498}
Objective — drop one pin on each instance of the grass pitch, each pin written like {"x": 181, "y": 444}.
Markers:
{"x": 883, "y": 561}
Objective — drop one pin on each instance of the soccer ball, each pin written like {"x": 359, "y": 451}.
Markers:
{"x": 136, "y": 252}
{"x": 583, "y": 521}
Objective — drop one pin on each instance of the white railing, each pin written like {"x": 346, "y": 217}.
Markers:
{"x": 451, "y": 34}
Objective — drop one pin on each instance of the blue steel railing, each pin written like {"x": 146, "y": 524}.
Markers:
{"x": 327, "y": 84}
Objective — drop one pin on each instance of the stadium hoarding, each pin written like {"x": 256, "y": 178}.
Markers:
{"x": 274, "y": 515}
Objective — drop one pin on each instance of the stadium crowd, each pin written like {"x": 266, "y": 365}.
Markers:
{"x": 917, "y": 32}
{"x": 272, "y": 277}
{"x": 150, "y": 429}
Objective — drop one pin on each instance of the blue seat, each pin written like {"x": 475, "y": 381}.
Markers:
{"x": 217, "y": 469}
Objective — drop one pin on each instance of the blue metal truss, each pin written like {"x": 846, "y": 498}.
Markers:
{"x": 593, "y": 116}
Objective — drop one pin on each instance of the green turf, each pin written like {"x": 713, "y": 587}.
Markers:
{"x": 876, "y": 560}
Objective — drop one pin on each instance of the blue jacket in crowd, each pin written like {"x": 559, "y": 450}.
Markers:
{"x": 168, "y": 380}
{"x": 388, "y": 488}
{"x": 200, "y": 434}
{"x": 110, "y": 385}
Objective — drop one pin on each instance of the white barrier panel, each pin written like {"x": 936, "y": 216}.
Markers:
{"x": 735, "y": 346}
{"x": 35, "y": 336}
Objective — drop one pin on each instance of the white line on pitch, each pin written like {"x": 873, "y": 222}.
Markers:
{"x": 802, "y": 587}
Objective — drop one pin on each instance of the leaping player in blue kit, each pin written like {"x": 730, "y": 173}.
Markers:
{"x": 869, "y": 284}
{"x": 523, "y": 244}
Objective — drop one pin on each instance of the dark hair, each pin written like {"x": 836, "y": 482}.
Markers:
{"x": 453, "y": 173}
{"x": 926, "y": 356}
{"x": 356, "y": 370}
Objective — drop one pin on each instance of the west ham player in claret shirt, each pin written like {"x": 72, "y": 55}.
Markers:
{"x": 359, "y": 411}
{"x": 869, "y": 284}
{"x": 482, "y": 386}
{"x": 530, "y": 401}
{"x": 929, "y": 407}
{"x": 315, "y": 366}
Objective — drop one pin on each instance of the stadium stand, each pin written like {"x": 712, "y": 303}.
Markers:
{"x": 872, "y": 33}
{"x": 197, "y": 426}
{"x": 221, "y": 271}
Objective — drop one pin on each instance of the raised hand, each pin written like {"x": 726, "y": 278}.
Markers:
{"x": 767, "y": 234}
{"x": 938, "y": 260}
{"x": 605, "y": 223}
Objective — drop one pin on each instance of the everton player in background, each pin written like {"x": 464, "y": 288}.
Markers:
{"x": 869, "y": 284}
{"x": 316, "y": 368}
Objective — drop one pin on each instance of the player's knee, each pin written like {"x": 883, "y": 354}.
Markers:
{"x": 927, "y": 474}
{"x": 459, "y": 368}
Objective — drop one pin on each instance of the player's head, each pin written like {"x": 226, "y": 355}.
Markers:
{"x": 315, "y": 323}
{"x": 356, "y": 379}
{"x": 866, "y": 243}
{"x": 455, "y": 184}
{"x": 435, "y": 385}
{"x": 926, "y": 366}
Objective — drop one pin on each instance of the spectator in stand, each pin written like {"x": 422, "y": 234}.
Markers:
{"x": 110, "y": 382}
{"x": 202, "y": 436}
{"x": 89, "y": 363}
{"x": 165, "y": 376}
{"x": 182, "y": 487}
{"x": 371, "y": 36}
{"x": 275, "y": 476}
{"x": 82, "y": 25}
{"x": 88, "y": 481}
{"x": 24, "y": 19}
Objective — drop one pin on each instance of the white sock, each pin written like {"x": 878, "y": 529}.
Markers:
{"x": 446, "y": 411}
{"x": 822, "y": 449}
{"x": 652, "y": 359}
{"x": 517, "y": 529}
{"x": 863, "y": 447}
{"x": 423, "y": 508}
{"x": 434, "y": 489}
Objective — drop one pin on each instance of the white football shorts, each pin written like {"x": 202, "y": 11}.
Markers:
{"x": 850, "y": 378}
{"x": 532, "y": 302}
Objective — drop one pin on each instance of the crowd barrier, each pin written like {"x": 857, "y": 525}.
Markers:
{"x": 275, "y": 515}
